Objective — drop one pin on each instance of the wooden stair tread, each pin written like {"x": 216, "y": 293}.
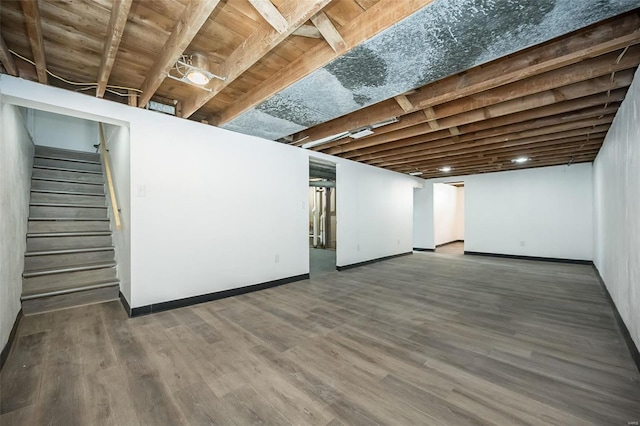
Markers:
{"x": 74, "y": 289}
{"x": 67, "y": 251}
{"x": 53, "y": 191}
{"x": 62, "y": 169}
{"x": 69, "y": 234}
{"x": 51, "y": 179}
{"x": 64, "y": 269}
{"x": 74, "y": 160}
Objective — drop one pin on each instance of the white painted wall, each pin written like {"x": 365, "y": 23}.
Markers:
{"x": 375, "y": 211}
{"x": 544, "y": 212}
{"x": 16, "y": 159}
{"x": 213, "y": 210}
{"x": 423, "y": 222}
{"x": 616, "y": 180}
{"x": 447, "y": 213}
{"x": 549, "y": 209}
{"x": 459, "y": 224}
{"x": 62, "y": 131}
{"x": 118, "y": 144}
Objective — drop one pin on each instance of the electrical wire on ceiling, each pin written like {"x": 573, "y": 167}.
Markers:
{"x": 75, "y": 83}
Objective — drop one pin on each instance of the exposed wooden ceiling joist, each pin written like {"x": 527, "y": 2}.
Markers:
{"x": 610, "y": 37}
{"x": 271, "y": 14}
{"x": 31, "y": 11}
{"x": 7, "y": 60}
{"x": 548, "y": 97}
{"x": 117, "y": 22}
{"x": 259, "y": 43}
{"x": 379, "y": 17}
{"x": 309, "y": 31}
{"x": 194, "y": 16}
{"x": 329, "y": 32}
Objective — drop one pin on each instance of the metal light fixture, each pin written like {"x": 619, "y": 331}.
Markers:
{"x": 194, "y": 70}
{"x": 520, "y": 160}
{"x": 445, "y": 169}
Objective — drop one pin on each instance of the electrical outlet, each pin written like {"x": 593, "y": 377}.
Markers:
{"x": 141, "y": 190}
{"x": 277, "y": 258}
{"x": 523, "y": 243}
{"x": 358, "y": 247}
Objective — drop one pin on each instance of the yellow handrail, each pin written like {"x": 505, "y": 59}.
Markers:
{"x": 107, "y": 168}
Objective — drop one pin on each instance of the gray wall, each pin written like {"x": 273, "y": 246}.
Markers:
{"x": 16, "y": 159}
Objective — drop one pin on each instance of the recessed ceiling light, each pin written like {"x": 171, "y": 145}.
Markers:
{"x": 416, "y": 173}
{"x": 520, "y": 160}
{"x": 445, "y": 169}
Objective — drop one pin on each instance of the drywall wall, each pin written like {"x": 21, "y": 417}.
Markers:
{"x": 423, "y": 221}
{"x": 543, "y": 212}
{"x": 213, "y": 210}
{"x": 459, "y": 230}
{"x": 616, "y": 178}
{"x": 118, "y": 144}
{"x": 374, "y": 217}
{"x": 62, "y": 131}
{"x": 447, "y": 214}
{"x": 16, "y": 159}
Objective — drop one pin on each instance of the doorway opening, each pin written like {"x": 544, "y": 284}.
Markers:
{"x": 448, "y": 217}
{"x": 322, "y": 217}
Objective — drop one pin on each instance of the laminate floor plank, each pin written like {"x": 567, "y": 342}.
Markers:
{"x": 432, "y": 338}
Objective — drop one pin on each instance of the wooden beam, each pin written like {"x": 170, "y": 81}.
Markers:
{"x": 308, "y": 31}
{"x": 7, "y": 60}
{"x": 259, "y": 43}
{"x": 329, "y": 32}
{"x": 194, "y": 16}
{"x": 576, "y": 128}
{"x": 584, "y": 44}
{"x": 271, "y": 14}
{"x": 570, "y": 111}
{"x": 404, "y": 103}
{"x": 117, "y": 22}
{"x": 31, "y": 12}
{"x": 572, "y": 91}
{"x": 501, "y": 135}
{"x": 374, "y": 20}
{"x": 132, "y": 98}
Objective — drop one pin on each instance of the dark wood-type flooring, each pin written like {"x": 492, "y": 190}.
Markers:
{"x": 426, "y": 339}
{"x": 451, "y": 248}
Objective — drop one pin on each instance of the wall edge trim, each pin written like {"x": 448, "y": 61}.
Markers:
{"x": 622, "y": 327}
{"x": 125, "y": 303}
{"x": 423, "y": 249}
{"x": 6, "y": 351}
{"x": 208, "y": 297}
{"x": 368, "y": 262}
{"x": 535, "y": 258}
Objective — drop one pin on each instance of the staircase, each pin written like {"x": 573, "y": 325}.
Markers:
{"x": 70, "y": 260}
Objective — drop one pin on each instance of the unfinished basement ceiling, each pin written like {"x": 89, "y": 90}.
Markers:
{"x": 443, "y": 38}
{"x": 461, "y": 85}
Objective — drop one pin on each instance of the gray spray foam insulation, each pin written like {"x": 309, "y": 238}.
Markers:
{"x": 444, "y": 38}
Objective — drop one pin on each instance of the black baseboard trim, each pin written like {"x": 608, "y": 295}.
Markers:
{"x": 188, "y": 301}
{"x": 450, "y": 242}
{"x": 422, "y": 249}
{"x": 124, "y": 302}
{"x": 633, "y": 349}
{"x": 12, "y": 338}
{"x": 368, "y": 262}
{"x": 541, "y": 259}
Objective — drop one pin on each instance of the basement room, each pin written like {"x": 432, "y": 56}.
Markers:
{"x": 319, "y": 212}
